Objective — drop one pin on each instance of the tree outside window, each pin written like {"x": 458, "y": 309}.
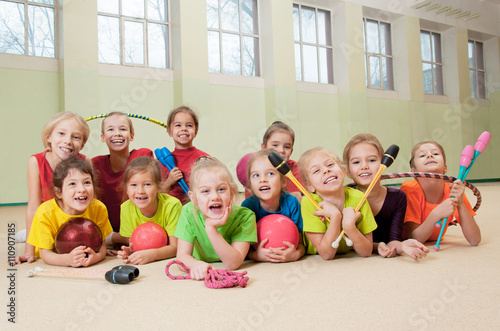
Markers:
{"x": 28, "y": 28}
{"x": 133, "y": 32}
{"x": 233, "y": 37}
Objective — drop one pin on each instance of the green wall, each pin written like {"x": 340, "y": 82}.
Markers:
{"x": 235, "y": 111}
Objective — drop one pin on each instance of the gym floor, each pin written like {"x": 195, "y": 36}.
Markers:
{"x": 455, "y": 288}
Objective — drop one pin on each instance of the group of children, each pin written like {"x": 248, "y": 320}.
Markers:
{"x": 132, "y": 188}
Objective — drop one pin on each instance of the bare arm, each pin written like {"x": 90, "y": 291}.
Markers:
{"x": 199, "y": 269}
{"x": 470, "y": 229}
{"x": 149, "y": 255}
{"x": 362, "y": 243}
{"x": 422, "y": 232}
{"x": 232, "y": 255}
{"x": 34, "y": 201}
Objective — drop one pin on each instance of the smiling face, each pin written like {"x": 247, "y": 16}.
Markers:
{"x": 429, "y": 158}
{"x": 116, "y": 132}
{"x": 324, "y": 175}
{"x": 212, "y": 195}
{"x": 66, "y": 139}
{"x": 182, "y": 130}
{"x": 142, "y": 191}
{"x": 281, "y": 142}
{"x": 364, "y": 163}
{"x": 265, "y": 181}
{"x": 76, "y": 193}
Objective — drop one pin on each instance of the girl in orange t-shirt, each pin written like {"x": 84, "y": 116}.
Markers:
{"x": 430, "y": 200}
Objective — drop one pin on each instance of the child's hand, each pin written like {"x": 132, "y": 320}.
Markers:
{"x": 329, "y": 210}
{"x": 90, "y": 257}
{"x": 141, "y": 257}
{"x": 283, "y": 254}
{"x": 220, "y": 221}
{"x": 385, "y": 251}
{"x": 24, "y": 258}
{"x": 200, "y": 270}
{"x": 349, "y": 218}
{"x": 125, "y": 252}
{"x": 457, "y": 190}
{"x": 415, "y": 249}
{"x": 77, "y": 255}
{"x": 261, "y": 252}
{"x": 111, "y": 252}
{"x": 174, "y": 176}
{"x": 445, "y": 208}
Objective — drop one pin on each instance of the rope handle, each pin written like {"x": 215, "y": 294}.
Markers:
{"x": 169, "y": 275}
{"x": 215, "y": 278}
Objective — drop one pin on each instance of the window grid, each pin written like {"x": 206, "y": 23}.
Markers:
{"x": 318, "y": 46}
{"x": 145, "y": 23}
{"x": 241, "y": 35}
{"x": 476, "y": 69}
{"x": 436, "y": 66}
{"x": 380, "y": 56}
{"x": 28, "y": 48}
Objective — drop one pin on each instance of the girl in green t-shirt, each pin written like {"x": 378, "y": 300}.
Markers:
{"x": 210, "y": 228}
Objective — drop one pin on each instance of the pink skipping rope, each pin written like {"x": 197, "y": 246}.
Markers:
{"x": 215, "y": 278}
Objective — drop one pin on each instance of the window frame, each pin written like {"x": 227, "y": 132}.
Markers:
{"x": 145, "y": 22}
{"x": 433, "y": 62}
{"x": 26, "y": 4}
{"x": 301, "y": 43}
{"x": 380, "y": 56}
{"x": 240, "y": 34}
{"x": 475, "y": 69}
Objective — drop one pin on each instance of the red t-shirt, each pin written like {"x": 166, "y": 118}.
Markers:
{"x": 109, "y": 184}
{"x": 418, "y": 209}
{"x": 46, "y": 173}
{"x": 184, "y": 160}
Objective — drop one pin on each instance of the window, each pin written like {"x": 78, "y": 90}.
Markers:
{"x": 233, "y": 40}
{"x": 313, "y": 44}
{"x": 476, "y": 70}
{"x": 378, "y": 54}
{"x": 133, "y": 32}
{"x": 432, "y": 64}
{"x": 27, "y": 27}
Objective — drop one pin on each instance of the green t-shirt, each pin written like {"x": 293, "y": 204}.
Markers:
{"x": 240, "y": 226}
{"x": 167, "y": 215}
{"x": 365, "y": 223}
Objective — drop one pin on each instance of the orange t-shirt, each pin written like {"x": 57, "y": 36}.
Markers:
{"x": 417, "y": 209}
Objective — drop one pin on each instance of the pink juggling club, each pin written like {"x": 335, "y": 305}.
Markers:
{"x": 469, "y": 155}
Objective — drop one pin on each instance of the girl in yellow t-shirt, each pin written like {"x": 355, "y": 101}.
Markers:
{"x": 74, "y": 191}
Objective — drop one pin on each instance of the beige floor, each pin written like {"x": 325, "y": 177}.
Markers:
{"x": 457, "y": 288}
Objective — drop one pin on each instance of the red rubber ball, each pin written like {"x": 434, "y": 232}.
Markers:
{"x": 277, "y": 228}
{"x": 148, "y": 236}
{"x": 78, "y": 231}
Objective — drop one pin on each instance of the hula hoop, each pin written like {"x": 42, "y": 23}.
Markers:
{"x": 446, "y": 178}
{"x": 129, "y": 115}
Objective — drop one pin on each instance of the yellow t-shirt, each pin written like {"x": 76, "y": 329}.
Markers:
{"x": 365, "y": 223}
{"x": 49, "y": 217}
